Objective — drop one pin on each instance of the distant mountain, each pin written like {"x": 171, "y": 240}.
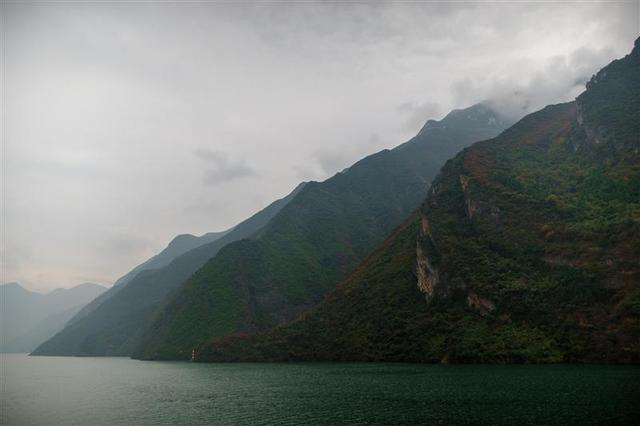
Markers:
{"x": 29, "y": 318}
{"x": 527, "y": 249}
{"x": 476, "y": 117}
{"x": 312, "y": 243}
{"x": 110, "y": 324}
{"x": 178, "y": 246}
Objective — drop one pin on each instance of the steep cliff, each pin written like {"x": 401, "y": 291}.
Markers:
{"x": 525, "y": 250}
{"x": 313, "y": 243}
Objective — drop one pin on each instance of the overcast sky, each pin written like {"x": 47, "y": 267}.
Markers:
{"x": 125, "y": 124}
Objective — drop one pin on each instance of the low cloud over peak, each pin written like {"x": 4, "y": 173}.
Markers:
{"x": 98, "y": 93}
{"x": 557, "y": 79}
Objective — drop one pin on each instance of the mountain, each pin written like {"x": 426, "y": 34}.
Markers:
{"x": 178, "y": 246}
{"x": 30, "y": 318}
{"x": 525, "y": 250}
{"x": 112, "y": 325}
{"x": 312, "y": 243}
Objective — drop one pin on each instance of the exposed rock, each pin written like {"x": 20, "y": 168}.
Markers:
{"x": 472, "y": 208}
{"x": 427, "y": 274}
{"x": 425, "y": 226}
{"x": 579, "y": 116}
{"x": 482, "y": 305}
{"x": 469, "y": 206}
{"x": 464, "y": 183}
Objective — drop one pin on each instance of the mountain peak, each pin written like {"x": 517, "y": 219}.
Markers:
{"x": 479, "y": 115}
{"x": 13, "y": 287}
{"x": 180, "y": 238}
{"x": 80, "y": 287}
{"x": 607, "y": 109}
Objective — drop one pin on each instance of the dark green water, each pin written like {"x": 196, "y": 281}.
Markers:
{"x": 113, "y": 391}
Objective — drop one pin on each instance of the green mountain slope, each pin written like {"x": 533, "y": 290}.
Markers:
{"x": 178, "y": 246}
{"x": 113, "y": 326}
{"x": 326, "y": 230}
{"x": 526, "y": 250}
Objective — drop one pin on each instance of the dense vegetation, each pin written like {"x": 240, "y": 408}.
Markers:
{"x": 178, "y": 246}
{"x": 111, "y": 324}
{"x": 312, "y": 244}
{"x": 526, "y": 250}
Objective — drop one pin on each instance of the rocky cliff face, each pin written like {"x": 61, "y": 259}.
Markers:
{"x": 309, "y": 247}
{"x": 526, "y": 250}
{"x": 427, "y": 275}
{"x": 536, "y": 198}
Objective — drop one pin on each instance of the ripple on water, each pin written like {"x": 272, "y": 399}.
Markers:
{"x": 40, "y": 390}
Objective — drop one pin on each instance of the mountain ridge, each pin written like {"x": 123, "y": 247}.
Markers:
{"x": 111, "y": 327}
{"x": 29, "y": 317}
{"x": 525, "y": 250}
{"x": 288, "y": 265}
{"x": 178, "y": 245}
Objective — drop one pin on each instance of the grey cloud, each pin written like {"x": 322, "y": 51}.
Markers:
{"x": 418, "y": 113}
{"x": 221, "y": 168}
{"x": 98, "y": 93}
{"x": 362, "y": 24}
{"x": 337, "y": 159}
{"x": 332, "y": 161}
{"x": 15, "y": 260}
{"x": 561, "y": 80}
{"x": 125, "y": 245}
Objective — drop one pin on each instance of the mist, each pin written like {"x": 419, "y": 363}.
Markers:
{"x": 126, "y": 124}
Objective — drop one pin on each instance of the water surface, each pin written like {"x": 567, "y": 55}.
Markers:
{"x": 120, "y": 391}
